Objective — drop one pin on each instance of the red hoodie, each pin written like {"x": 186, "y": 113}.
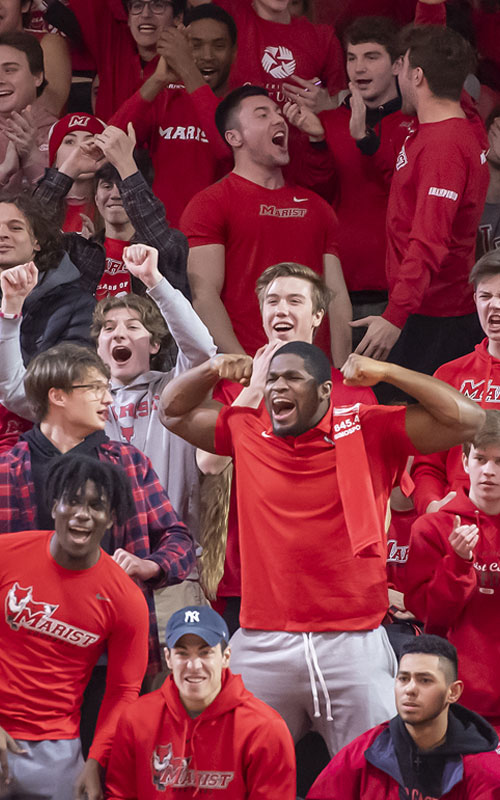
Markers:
{"x": 460, "y": 599}
{"x": 236, "y": 749}
{"x": 434, "y": 474}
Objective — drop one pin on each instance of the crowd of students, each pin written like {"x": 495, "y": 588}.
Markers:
{"x": 250, "y": 407}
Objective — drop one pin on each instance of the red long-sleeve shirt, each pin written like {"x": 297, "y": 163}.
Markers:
{"x": 56, "y": 623}
{"x": 437, "y": 197}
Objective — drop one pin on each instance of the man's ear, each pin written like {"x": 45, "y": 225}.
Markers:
{"x": 39, "y": 78}
{"x": 455, "y": 689}
{"x": 57, "y": 397}
{"x": 325, "y": 390}
{"x": 226, "y": 657}
{"x": 233, "y": 138}
{"x": 465, "y": 463}
{"x": 53, "y": 510}
{"x": 154, "y": 348}
{"x": 168, "y": 662}
{"x": 418, "y": 76}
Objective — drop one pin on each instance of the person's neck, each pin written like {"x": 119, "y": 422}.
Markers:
{"x": 273, "y": 16}
{"x": 429, "y": 735}
{"x": 381, "y": 100}
{"x": 438, "y": 109}
{"x": 493, "y": 194}
{"x": 491, "y": 508}
{"x": 62, "y": 436}
{"x": 123, "y": 232}
{"x": 268, "y": 177}
{"x": 81, "y": 191}
{"x": 147, "y": 53}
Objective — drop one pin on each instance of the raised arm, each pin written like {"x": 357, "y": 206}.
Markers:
{"x": 16, "y": 284}
{"x": 206, "y": 269}
{"x": 339, "y": 310}
{"x": 184, "y": 407}
{"x": 57, "y": 62}
{"x": 443, "y": 418}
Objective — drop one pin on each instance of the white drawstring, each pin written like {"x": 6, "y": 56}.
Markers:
{"x": 312, "y": 659}
{"x": 311, "y": 675}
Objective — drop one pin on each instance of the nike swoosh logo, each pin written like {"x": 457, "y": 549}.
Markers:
{"x": 266, "y": 435}
{"x": 100, "y": 597}
{"x": 300, "y": 199}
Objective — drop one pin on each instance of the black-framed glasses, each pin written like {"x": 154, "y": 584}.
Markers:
{"x": 99, "y": 389}
{"x": 155, "y": 6}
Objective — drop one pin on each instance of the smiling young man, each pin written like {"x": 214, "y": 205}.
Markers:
{"x": 453, "y": 578}
{"x": 122, "y": 37}
{"x": 66, "y": 603}
{"x": 24, "y": 124}
{"x": 202, "y": 730}
{"x": 433, "y": 748}
{"x": 312, "y": 485}
{"x": 173, "y": 112}
{"x": 253, "y": 218}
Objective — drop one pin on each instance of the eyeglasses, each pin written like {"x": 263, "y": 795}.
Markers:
{"x": 156, "y": 6}
{"x": 98, "y": 389}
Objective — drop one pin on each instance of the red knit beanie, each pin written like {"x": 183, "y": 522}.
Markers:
{"x": 68, "y": 124}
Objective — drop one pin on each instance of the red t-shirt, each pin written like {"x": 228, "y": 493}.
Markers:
{"x": 186, "y": 149}
{"x": 115, "y": 279}
{"x": 298, "y": 571}
{"x": 260, "y": 227}
{"x": 73, "y": 222}
{"x": 57, "y": 622}
{"x": 270, "y": 52}
{"x": 226, "y": 392}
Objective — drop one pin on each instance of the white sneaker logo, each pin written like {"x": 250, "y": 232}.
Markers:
{"x": 279, "y": 62}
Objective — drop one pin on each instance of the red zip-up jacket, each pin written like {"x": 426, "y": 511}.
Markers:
{"x": 460, "y": 599}
{"x": 367, "y": 769}
{"x": 476, "y": 375}
{"x": 238, "y": 748}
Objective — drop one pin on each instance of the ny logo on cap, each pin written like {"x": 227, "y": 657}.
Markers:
{"x": 192, "y": 616}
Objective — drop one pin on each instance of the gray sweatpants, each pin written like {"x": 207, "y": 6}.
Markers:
{"x": 48, "y": 771}
{"x": 338, "y": 684}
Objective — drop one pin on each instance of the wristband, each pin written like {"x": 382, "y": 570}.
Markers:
{"x": 4, "y": 315}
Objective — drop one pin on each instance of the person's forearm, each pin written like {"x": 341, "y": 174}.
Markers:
{"x": 340, "y": 314}
{"x": 152, "y": 88}
{"x": 12, "y": 369}
{"x": 212, "y": 311}
{"x": 188, "y": 390}
{"x": 442, "y": 401}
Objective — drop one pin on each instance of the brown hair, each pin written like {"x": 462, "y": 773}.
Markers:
{"x": 58, "y": 368}
{"x": 148, "y": 313}
{"x": 488, "y": 435}
{"x": 443, "y": 55}
{"x": 487, "y": 266}
{"x": 320, "y": 293}
{"x": 381, "y": 30}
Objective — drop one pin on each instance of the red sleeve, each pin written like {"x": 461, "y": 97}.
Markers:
{"x": 331, "y": 228}
{"x": 270, "y": 771}
{"x": 343, "y": 777}
{"x": 431, "y": 232}
{"x": 205, "y": 105}
{"x": 430, "y": 479}
{"x": 223, "y": 433}
{"x": 127, "y": 649}
{"x": 203, "y": 219}
{"x": 141, "y": 113}
{"x": 121, "y": 775}
{"x": 439, "y": 583}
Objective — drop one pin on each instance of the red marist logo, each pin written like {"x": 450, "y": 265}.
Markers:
{"x": 21, "y": 611}
{"x": 170, "y": 770}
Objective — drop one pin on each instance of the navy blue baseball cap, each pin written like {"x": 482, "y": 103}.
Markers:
{"x": 200, "y": 620}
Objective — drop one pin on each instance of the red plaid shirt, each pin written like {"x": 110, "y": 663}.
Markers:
{"x": 154, "y": 532}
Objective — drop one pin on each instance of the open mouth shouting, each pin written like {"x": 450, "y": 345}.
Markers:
{"x": 282, "y": 408}
{"x": 121, "y": 354}
{"x": 280, "y": 139}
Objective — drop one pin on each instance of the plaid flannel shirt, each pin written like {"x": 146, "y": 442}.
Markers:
{"x": 154, "y": 532}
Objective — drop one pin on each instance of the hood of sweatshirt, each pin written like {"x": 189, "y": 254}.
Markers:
{"x": 463, "y": 506}
{"x": 65, "y": 272}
